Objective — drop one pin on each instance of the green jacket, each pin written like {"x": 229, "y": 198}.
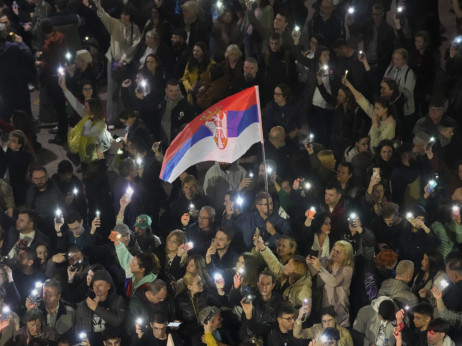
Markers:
{"x": 447, "y": 244}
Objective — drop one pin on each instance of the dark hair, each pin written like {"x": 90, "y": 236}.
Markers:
{"x": 318, "y": 53}
{"x": 95, "y": 267}
{"x": 349, "y": 165}
{"x": 268, "y": 273}
{"x": 455, "y": 265}
{"x": 335, "y": 185}
{"x": 275, "y": 36}
{"x": 126, "y": 166}
{"x": 424, "y": 309}
{"x": 139, "y": 144}
{"x": 156, "y": 286}
{"x": 250, "y": 276}
{"x": 201, "y": 66}
{"x": 226, "y": 230}
{"x": 31, "y": 214}
{"x": 438, "y": 325}
{"x": 286, "y": 91}
{"x": 148, "y": 261}
{"x": 96, "y": 109}
{"x": 331, "y": 333}
{"x": 129, "y": 10}
{"x": 173, "y": 82}
{"x": 387, "y": 310}
{"x": 46, "y": 25}
{"x": 393, "y": 86}
{"x": 72, "y": 217}
{"x": 128, "y": 113}
{"x": 318, "y": 221}
{"x": 404, "y": 149}
{"x": 159, "y": 317}
{"x": 65, "y": 166}
{"x": 23, "y": 121}
{"x": 328, "y": 310}
{"x": 283, "y": 13}
{"x": 424, "y": 34}
{"x": 39, "y": 168}
{"x": 112, "y": 333}
{"x": 435, "y": 262}
{"x": 339, "y": 43}
{"x": 385, "y": 103}
{"x": 285, "y": 308}
{"x": 384, "y": 143}
{"x": 155, "y": 57}
{"x": 32, "y": 315}
{"x": 320, "y": 38}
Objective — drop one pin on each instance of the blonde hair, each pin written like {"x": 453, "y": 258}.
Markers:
{"x": 188, "y": 279}
{"x": 347, "y": 251}
{"x": 85, "y": 56}
{"x": 231, "y": 48}
{"x": 179, "y": 234}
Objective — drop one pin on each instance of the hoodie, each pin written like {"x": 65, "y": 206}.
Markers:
{"x": 398, "y": 290}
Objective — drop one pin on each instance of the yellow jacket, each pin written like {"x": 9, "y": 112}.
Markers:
{"x": 190, "y": 78}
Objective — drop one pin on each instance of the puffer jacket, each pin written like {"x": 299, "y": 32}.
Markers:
{"x": 398, "y": 290}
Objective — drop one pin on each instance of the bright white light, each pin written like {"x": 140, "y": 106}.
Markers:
{"x": 68, "y": 56}
{"x": 38, "y": 285}
{"x": 139, "y": 161}
{"x": 444, "y": 284}
{"x": 241, "y": 271}
{"x": 60, "y": 71}
{"x": 6, "y": 309}
{"x": 432, "y": 139}
{"x": 323, "y": 338}
{"x": 353, "y": 216}
{"x": 58, "y": 213}
{"x": 361, "y": 52}
{"x": 251, "y": 175}
{"x": 143, "y": 83}
{"x": 409, "y": 216}
{"x": 313, "y": 209}
{"x": 270, "y": 169}
{"x": 82, "y": 335}
{"x": 34, "y": 292}
{"x": 432, "y": 182}
{"x": 325, "y": 67}
{"x": 190, "y": 244}
{"x": 191, "y": 206}
{"x": 129, "y": 192}
{"x": 400, "y": 9}
{"x": 139, "y": 321}
{"x": 219, "y": 4}
{"x": 455, "y": 208}
{"x": 87, "y": 38}
{"x": 297, "y": 28}
{"x": 239, "y": 200}
{"x": 75, "y": 191}
{"x": 98, "y": 213}
{"x": 351, "y": 10}
{"x": 307, "y": 186}
{"x": 458, "y": 39}
{"x": 217, "y": 277}
{"x": 407, "y": 307}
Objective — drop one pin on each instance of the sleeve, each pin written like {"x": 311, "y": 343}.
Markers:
{"x": 325, "y": 94}
{"x": 343, "y": 277}
{"x": 186, "y": 80}
{"x": 124, "y": 257}
{"x": 454, "y": 318}
{"x": 93, "y": 130}
{"x": 109, "y": 23}
{"x": 210, "y": 340}
{"x": 408, "y": 88}
{"x": 272, "y": 262}
{"x": 262, "y": 30}
{"x": 459, "y": 233}
{"x": 365, "y": 105}
{"x": 78, "y": 107}
{"x": 307, "y": 333}
{"x": 129, "y": 53}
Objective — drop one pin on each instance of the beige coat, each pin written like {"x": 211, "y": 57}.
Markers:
{"x": 316, "y": 331}
{"x": 296, "y": 292}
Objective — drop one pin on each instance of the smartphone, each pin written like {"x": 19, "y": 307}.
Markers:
{"x": 249, "y": 298}
{"x": 257, "y": 232}
{"x": 156, "y": 145}
{"x": 376, "y": 171}
{"x": 313, "y": 253}
{"x": 174, "y": 324}
{"x": 411, "y": 219}
{"x": 209, "y": 317}
{"x": 431, "y": 185}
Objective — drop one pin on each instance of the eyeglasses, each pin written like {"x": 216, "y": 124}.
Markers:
{"x": 288, "y": 318}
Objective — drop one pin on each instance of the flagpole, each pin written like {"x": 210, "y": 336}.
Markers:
{"x": 262, "y": 140}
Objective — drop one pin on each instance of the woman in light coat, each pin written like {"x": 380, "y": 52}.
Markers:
{"x": 334, "y": 275}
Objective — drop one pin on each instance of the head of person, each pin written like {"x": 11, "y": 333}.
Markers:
{"x": 174, "y": 239}
{"x": 327, "y": 158}
{"x": 178, "y": 38}
{"x": 223, "y": 237}
{"x": 200, "y": 52}
{"x": 233, "y": 53}
{"x": 83, "y": 58}
{"x": 378, "y": 14}
{"x": 344, "y": 172}
{"x": 405, "y": 271}
{"x": 437, "y": 330}
{"x": 172, "y": 90}
{"x": 390, "y": 214}
{"x": 281, "y": 21}
{"x": 362, "y": 142}
{"x": 25, "y": 223}
{"x": 65, "y": 171}
{"x": 94, "y": 109}
{"x": 387, "y": 310}
{"x": 384, "y": 151}
{"x": 64, "y": 341}
{"x": 295, "y": 268}
{"x": 286, "y": 246}
{"x": 333, "y": 194}
{"x": 88, "y": 91}
{"x": 421, "y": 40}
{"x": 137, "y": 147}
{"x": 345, "y": 97}
{"x": 247, "y": 267}
{"x": 389, "y": 89}
{"x": 152, "y": 62}
{"x": 128, "y": 169}
{"x": 128, "y": 13}
{"x": 454, "y": 269}
{"x": 282, "y": 94}
{"x": 275, "y": 42}
{"x": 378, "y": 192}
{"x": 143, "y": 225}
{"x": 386, "y": 259}
{"x": 432, "y": 263}
{"x": 400, "y": 57}
{"x": 39, "y": 177}
{"x": 264, "y": 204}
{"x": 52, "y": 293}
{"x": 4, "y": 26}
{"x": 250, "y": 68}
{"x": 406, "y": 153}
{"x": 322, "y": 56}
{"x": 193, "y": 283}
{"x": 330, "y": 337}
{"x": 124, "y": 233}
{"x": 419, "y": 213}
{"x": 102, "y": 284}
{"x": 47, "y": 28}
{"x": 128, "y": 116}
{"x": 157, "y": 291}
{"x": 446, "y": 128}
{"x": 341, "y": 47}
{"x": 266, "y": 283}
{"x": 321, "y": 223}
{"x": 25, "y": 258}
{"x": 158, "y": 324}
{"x": 34, "y": 319}
{"x": 420, "y": 142}
{"x": 270, "y": 169}
{"x": 75, "y": 223}
{"x": 382, "y": 108}
{"x": 152, "y": 39}
{"x": 16, "y": 140}
{"x": 206, "y": 218}
{"x": 189, "y": 186}
{"x": 326, "y": 8}
{"x": 190, "y": 11}
{"x": 342, "y": 253}
{"x": 42, "y": 252}
{"x": 112, "y": 337}
{"x": 328, "y": 316}
{"x": 91, "y": 272}
{"x": 75, "y": 255}
{"x": 277, "y": 135}
{"x": 436, "y": 110}
{"x": 423, "y": 314}
{"x": 285, "y": 317}
{"x": 144, "y": 263}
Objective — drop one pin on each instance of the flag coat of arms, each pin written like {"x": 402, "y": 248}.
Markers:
{"x": 224, "y": 132}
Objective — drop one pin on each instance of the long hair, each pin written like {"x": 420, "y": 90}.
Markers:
{"x": 347, "y": 249}
{"x": 318, "y": 221}
{"x": 250, "y": 277}
{"x": 435, "y": 262}
{"x": 300, "y": 268}
{"x": 96, "y": 109}
{"x": 201, "y": 66}
{"x": 201, "y": 269}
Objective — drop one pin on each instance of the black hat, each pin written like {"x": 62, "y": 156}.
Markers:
{"x": 102, "y": 275}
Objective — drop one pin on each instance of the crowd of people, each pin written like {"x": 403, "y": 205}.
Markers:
{"x": 347, "y": 231}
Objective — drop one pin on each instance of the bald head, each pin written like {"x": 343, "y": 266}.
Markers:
{"x": 277, "y": 136}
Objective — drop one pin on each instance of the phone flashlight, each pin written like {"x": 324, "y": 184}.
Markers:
{"x": 351, "y": 10}
{"x": 217, "y": 277}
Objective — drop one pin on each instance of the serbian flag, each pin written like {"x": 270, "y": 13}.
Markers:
{"x": 224, "y": 132}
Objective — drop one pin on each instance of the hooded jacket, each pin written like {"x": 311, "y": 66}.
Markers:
{"x": 398, "y": 290}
